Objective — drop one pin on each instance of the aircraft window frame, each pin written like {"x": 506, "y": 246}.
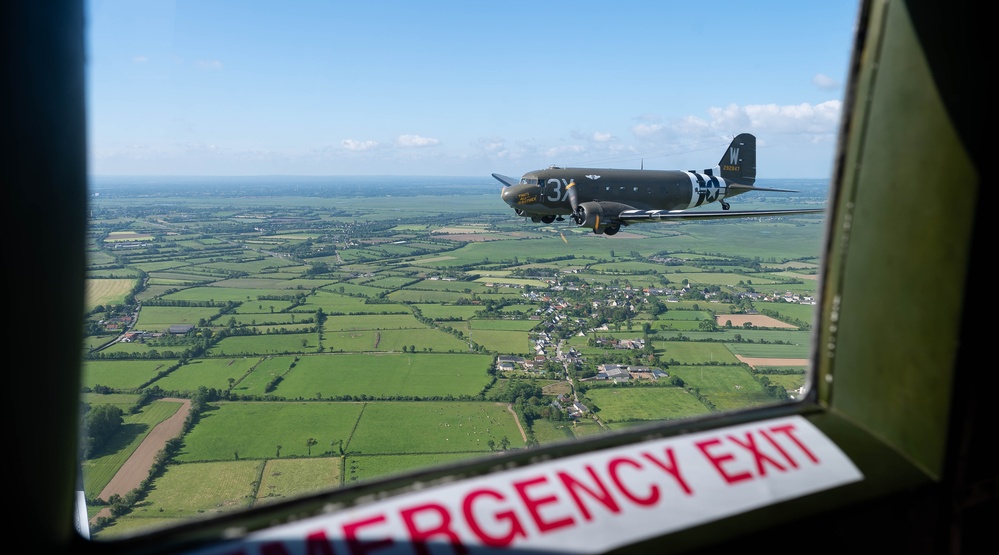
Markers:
{"x": 889, "y": 465}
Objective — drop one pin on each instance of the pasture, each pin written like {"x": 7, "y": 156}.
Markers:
{"x": 690, "y": 352}
{"x": 445, "y": 311}
{"x": 263, "y": 373}
{"x": 160, "y": 318}
{"x": 420, "y": 340}
{"x": 797, "y": 311}
{"x": 208, "y": 372}
{"x": 634, "y": 403}
{"x": 268, "y": 344}
{"x": 122, "y": 374}
{"x": 188, "y": 491}
{"x": 403, "y": 320}
{"x": 789, "y": 382}
{"x": 756, "y": 350}
{"x": 254, "y": 430}
{"x": 727, "y": 387}
{"x": 286, "y": 478}
{"x": 385, "y": 375}
{"x": 508, "y": 325}
{"x": 552, "y": 431}
{"x": 433, "y": 427}
{"x": 507, "y": 342}
{"x": 359, "y": 468}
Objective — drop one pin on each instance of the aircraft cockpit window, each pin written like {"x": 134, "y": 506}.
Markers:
{"x": 306, "y": 304}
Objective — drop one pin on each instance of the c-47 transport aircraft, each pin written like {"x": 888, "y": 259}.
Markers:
{"x": 606, "y": 199}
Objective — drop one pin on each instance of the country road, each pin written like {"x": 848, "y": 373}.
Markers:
{"x": 137, "y": 467}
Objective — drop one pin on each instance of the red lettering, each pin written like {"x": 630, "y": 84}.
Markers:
{"x": 532, "y": 505}
{"x": 603, "y": 496}
{"x": 358, "y": 547}
{"x": 273, "y": 548}
{"x": 442, "y": 528}
{"x": 779, "y": 448}
{"x": 508, "y": 516}
{"x": 760, "y": 458}
{"x": 671, "y": 468}
{"x": 317, "y": 544}
{"x": 612, "y": 469}
{"x": 788, "y": 429}
{"x": 717, "y": 461}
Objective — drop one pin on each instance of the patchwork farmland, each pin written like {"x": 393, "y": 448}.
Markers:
{"x": 324, "y": 339}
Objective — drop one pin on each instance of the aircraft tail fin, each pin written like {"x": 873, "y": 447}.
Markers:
{"x": 738, "y": 164}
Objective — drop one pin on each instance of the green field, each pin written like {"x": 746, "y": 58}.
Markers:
{"x": 625, "y": 403}
{"x": 286, "y": 478}
{"x": 445, "y": 427}
{"x": 769, "y": 351}
{"x": 222, "y": 433}
{"x": 690, "y": 352}
{"x": 190, "y": 491}
{"x": 123, "y": 374}
{"x": 412, "y": 317}
{"x": 208, "y": 372}
{"x": 385, "y": 376}
{"x": 726, "y": 387}
{"x": 368, "y": 467}
{"x": 99, "y": 469}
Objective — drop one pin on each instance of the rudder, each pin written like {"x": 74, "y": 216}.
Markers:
{"x": 738, "y": 164}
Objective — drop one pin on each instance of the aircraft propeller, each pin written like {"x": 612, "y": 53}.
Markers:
{"x": 577, "y": 212}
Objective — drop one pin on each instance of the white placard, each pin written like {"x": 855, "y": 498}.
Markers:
{"x": 586, "y": 503}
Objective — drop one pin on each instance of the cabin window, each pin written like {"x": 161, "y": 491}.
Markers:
{"x": 254, "y": 303}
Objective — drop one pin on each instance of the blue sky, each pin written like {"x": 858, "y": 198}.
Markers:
{"x": 461, "y": 88}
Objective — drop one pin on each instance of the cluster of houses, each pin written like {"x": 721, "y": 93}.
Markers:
{"x": 575, "y": 409}
{"x": 176, "y": 329}
{"x": 510, "y": 363}
{"x": 620, "y": 343}
{"x": 619, "y": 373}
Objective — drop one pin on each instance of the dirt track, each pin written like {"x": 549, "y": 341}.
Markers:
{"x": 754, "y": 362}
{"x": 517, "y": 420}
{"x": 136, "y": 468}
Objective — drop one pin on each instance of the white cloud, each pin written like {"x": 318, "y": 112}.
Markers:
{"x": 210, "y": 64}
{"x": 804, "y": 118}
{"x": 414, "y": 141}
{"x": 824, "y": 82}
{"x": 797, "y": 118}
{"x": 351, "y": 144}
{"x": 555, "y": 153}
{"x": 643, "y": 130}
{"x": 595, "y": 136}
{"x": 139, "y": 59}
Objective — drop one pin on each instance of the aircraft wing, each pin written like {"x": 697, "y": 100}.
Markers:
{"x": 635, "y": 216}
{"x": 506, "y": 180}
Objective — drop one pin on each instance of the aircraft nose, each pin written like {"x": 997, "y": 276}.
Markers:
{"x": 508, "y": 195}
{"x": 520, "y": 194}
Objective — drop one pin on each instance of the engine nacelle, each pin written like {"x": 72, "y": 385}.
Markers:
{"x": 592, "y": 215}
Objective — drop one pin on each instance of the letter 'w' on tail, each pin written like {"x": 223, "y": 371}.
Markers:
{"x": 738, "y": 164}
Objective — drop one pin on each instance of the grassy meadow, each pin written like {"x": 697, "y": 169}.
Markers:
{"x": 338, "y": 340}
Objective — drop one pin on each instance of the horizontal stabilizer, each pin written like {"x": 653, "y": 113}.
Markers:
{"x": 655, "y": 215}
{"x": 745, "y": 188}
